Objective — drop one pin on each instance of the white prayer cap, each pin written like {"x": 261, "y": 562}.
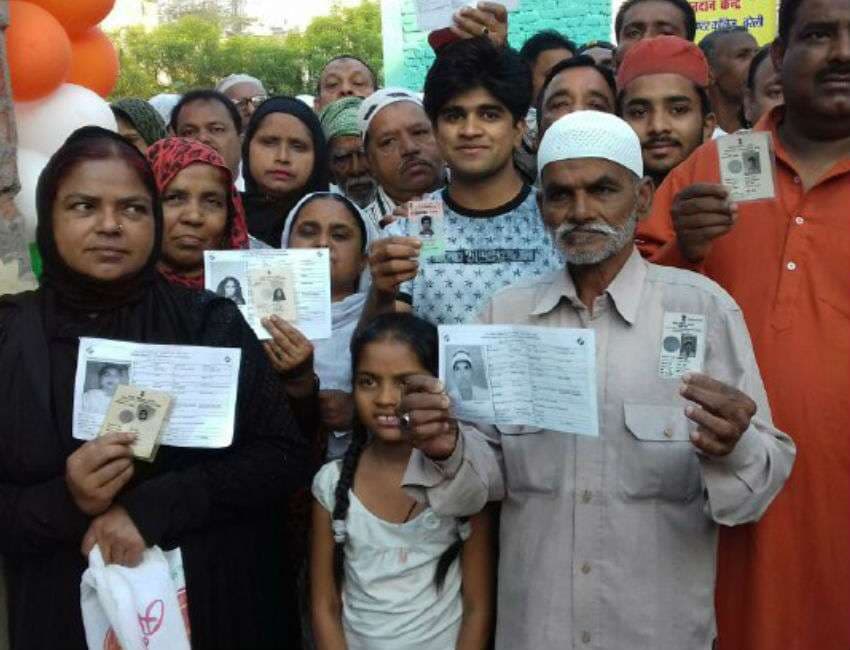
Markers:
{"x": 590, "y": 134}
{"x": 461, "y": 355}
{"x": 232, "y": 80}
{"x": 379, "y": 100}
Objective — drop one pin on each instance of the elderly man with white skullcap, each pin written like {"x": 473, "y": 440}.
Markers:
{"x": 610, "y": 541}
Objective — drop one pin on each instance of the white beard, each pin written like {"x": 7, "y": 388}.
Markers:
{"x": 617, "y": 239}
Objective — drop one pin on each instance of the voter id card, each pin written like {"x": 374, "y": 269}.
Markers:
{"x": 426, "y": 221}
{"x": 139, "y": 411}
{"x": 682, "y": 344}
{"x": 747, "y": 166}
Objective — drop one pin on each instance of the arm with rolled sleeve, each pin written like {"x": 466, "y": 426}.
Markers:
{"x": 462, "y": 484}
{"x": 742, "y": 484}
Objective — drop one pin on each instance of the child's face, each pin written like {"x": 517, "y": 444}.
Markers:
{"x": 381, "y": 370}
{"x": 326, "y": 223}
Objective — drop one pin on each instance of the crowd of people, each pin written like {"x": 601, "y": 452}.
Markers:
{"x": 580, "y": 187}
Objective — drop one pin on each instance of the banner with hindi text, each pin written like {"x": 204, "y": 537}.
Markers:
{"x": 757, "y": 16}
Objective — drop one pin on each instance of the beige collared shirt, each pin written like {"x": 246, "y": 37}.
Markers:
{"x": 610, "y": 542}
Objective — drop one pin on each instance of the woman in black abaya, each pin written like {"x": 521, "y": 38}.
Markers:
{"x": 99, "y": 233}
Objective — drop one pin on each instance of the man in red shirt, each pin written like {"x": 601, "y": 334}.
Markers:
{"x": 785, "y": 582}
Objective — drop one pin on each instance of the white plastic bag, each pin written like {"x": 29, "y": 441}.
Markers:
{"x": 143, "y": 608}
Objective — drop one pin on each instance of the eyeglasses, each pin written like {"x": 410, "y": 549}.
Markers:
{"x": 254, "y": 101}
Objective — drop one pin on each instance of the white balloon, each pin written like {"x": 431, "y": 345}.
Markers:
{"x": 44, "y": 125}
{"x": 30, "y": 165}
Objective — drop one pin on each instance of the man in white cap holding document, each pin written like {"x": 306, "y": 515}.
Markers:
{"x": 610, "y": 541}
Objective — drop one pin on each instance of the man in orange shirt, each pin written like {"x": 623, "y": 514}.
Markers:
{"x": 785, "y": 582}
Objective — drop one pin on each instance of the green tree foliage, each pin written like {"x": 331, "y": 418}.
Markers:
{"x": 196, "y": 51}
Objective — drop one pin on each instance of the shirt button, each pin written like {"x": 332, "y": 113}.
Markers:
{"x": 585, "y": 637}
{"x": 799, "y": 221}
{"x": 796, "y": 180}
{"x": 790, "y": 266}
{"x": 668, "y": 433}
{"x": 585, "y": 568}
{"x": 586, "y": 496}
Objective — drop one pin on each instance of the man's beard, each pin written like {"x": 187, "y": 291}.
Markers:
{"x": 617, "y": 238}
{"x": 361, "y": 196}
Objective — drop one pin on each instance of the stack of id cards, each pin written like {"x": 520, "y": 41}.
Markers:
{"x": 139, "y": 411}
{"x": 425, "y": 220}
{"x": 747, "y": 166}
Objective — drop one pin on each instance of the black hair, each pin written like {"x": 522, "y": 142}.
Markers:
{"x": 762, "y": 54}
{"x": 709, "y": 44}
{"x": 580, "y": 61}
{"x": 787, "y": 14}
{"x": 605, "y": 45}
{"x": 421, "y": 337}
{"x": 543, "y": 41}
{"x": 207, "y": 95}
{"x": 682, "y": 5}
{"x": 339, "y": 198}
{"x": 239, "y": 298}
{"x": 340, "y": 58}
{"x": 477, "y": 63}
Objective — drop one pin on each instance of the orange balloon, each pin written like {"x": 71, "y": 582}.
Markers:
{"x": 39, "y": 52}
{"x": 94, "y": 62}
{"x": 77, "y": 16}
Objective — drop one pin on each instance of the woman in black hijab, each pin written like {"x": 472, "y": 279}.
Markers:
{"x": 99, "y": 233}
{"x": 284, "y": 158}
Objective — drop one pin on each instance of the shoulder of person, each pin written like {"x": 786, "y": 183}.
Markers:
{"x": 12, "y": 306}
{"x": 324, "y": 484}
{"x": 516, "y": 301}
{"x": 692, "y": 285}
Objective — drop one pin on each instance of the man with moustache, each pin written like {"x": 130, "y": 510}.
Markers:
{"x": 662, "y": 95}
{"x": 640, "y": 19}
{"x": 477, "y": 96}
{"x": 610, "y": 541}
{"x": 785, "y": 583}
{"x": 401, "y": 150}
{"x": 347, "y": 161}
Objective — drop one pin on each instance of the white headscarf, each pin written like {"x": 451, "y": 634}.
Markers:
{"x": 332, "y": 357}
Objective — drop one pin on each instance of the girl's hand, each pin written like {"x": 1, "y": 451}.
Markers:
{"x": 426, "y": 418}
{"x": 337, "y": 409}
{"x": 98, "y": 470}
{"x": 289, "y": 351}
{"x": 119, "y": 540}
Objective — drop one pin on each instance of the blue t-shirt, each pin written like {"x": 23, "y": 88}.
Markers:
{"x": 486, "y": 250}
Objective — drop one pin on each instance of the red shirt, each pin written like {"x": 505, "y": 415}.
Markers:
{"x": 785, "y": 582}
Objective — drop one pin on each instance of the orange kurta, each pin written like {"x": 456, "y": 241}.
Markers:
{"x": 784, "y": 583}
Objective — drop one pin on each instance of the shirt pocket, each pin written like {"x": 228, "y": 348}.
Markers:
{"x": 534, "y": 459}
{"x": 657, "y": 459}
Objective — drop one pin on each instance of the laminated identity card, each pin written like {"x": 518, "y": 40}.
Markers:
{"x": 139, "y": 411}
{"x": 426, "y": 220}
{"x": 747, "y": 166}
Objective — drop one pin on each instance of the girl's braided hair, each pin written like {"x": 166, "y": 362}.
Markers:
{"x": 421, "y": 337}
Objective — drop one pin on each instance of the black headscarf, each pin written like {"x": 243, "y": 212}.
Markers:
{"x": 267, "y": 215}
{"x": 77, "y": 291}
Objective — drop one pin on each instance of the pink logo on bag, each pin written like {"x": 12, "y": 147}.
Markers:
{"x": 152, "y": 619}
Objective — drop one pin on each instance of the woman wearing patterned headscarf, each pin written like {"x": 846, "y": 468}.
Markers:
{"x": 201, "y": 208}
{"x": 139, "y": 122}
